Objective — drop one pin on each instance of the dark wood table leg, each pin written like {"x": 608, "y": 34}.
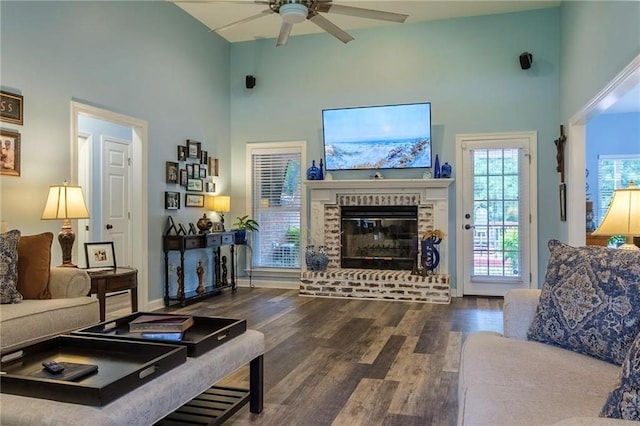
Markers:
{"x": 256, "y": 384}
{"x": 102, "y": 293}
{"x": 134, "y": 300}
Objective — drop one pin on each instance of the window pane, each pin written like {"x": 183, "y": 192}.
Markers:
{"x": 276, "y": 203}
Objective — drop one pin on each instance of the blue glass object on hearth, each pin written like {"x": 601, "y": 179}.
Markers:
{"x": 445, "y": 171}
{"x": 436, "y": 168}
{"x": 313, "y": 172}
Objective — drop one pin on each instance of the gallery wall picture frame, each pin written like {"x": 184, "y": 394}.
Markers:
{"x": 204, "y": 156}
{"x": 194, "y": 185}
{"x": 11, "y": 108}
{"x": 171, "y": 172}
{"x": 189, "y": 171}
{"x": 213, "y": 167}
{"x": 194, "y": 200}
{"x": 171, "y": 200}
{"x": 182, "y": 153}
{"x": 10, "y": 152}
{"x": 193, "y": 148}
{"x": 203, "y": 172}
{"x": 211, "y": 187}
{"x": 183, "y": 177}
{"x": 100, "y": 255}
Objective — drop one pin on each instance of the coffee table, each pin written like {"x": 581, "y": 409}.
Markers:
{"x": 156, "y": 399}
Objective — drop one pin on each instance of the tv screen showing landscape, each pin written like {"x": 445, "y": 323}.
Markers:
{"x": 377, "y": 137}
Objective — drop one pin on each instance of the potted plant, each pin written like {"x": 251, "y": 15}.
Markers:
{"x": 241, "y": 226}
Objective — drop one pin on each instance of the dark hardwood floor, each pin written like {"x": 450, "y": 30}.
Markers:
{"x": 350, "y": 362}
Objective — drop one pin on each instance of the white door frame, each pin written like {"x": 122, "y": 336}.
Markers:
{"x": 577, "y": 147}
{"x": 533, "y": 202}
{"x": 139, "y": 210}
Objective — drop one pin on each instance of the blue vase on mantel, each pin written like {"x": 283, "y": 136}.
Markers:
{"x": 436, "y": 168}
{"x": 313, "y": 172}
{"x": 445, "y": 171}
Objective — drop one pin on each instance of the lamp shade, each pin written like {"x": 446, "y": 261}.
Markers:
{"x": 219, "y": 203}
{"x": 65, "y": 202}
{"x": 623, "y": 216}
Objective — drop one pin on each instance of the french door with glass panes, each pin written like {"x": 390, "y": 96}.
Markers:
{"x": 496, "y": 198}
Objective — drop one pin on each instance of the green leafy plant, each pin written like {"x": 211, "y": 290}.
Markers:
{"x": 246, "y": 223}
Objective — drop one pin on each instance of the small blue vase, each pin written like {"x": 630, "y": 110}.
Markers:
{"x": 436, "y": 168}
{"x": 313, "y": 172}
{"x": 445, "y": 172}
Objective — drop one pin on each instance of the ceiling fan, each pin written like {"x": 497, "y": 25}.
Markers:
{"x": 296, "y": 11}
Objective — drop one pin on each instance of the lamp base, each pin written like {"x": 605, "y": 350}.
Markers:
{"x": 627, "y": 246}
{"x": 66, "y": 238}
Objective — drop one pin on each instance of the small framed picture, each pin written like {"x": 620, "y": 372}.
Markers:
{"x": 193, "y": 148}
{"x": 183, "y": 177}
{"x": 171, "y": 200}
{"x": 12, "y": 110}
{"x": 204, "y": 155}
{"x": 100, "y": 255}
{"x": 171, "y": 171}
{"x": 194, "y": 200}
{"x": 182, "y": 153}
{"x": 213, "y": 167}
{"x": 194, "y": 185}
{"x": 211, "y": 187}
{"x": 189, "y": 171}
{"x": 203, "y": 172}
{"x": 10, "y": 157}
{"x": 217, "y": 227}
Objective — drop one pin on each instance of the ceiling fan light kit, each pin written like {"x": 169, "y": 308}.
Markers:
{"x": 293, "y": 13}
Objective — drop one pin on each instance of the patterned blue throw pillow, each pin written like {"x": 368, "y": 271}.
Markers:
{"x": 590, "y": 301}
{"x": 9, "y": 267}
{"x": 624, "y": 400}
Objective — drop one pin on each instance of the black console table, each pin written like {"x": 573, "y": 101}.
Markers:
{"x": 212, "y": 241}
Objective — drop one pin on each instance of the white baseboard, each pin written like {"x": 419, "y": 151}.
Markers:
{"x": 268, "y": 283}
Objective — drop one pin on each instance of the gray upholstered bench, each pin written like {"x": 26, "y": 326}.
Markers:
{"x": 153, "y": 400}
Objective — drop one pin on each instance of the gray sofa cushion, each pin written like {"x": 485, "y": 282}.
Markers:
{"x": 590, "y": 301}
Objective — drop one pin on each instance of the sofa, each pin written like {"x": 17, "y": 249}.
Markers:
{"x": 541, "y": 370}
{"x": 44, "y": 301}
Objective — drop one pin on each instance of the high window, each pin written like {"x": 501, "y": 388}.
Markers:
{"x": 276, "y": 202}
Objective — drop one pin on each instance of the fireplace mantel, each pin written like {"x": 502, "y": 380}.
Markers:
{"x": 377, "y": 183}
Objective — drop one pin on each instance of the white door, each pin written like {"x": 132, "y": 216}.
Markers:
{"x": 116, "y": 217}
{"x": 496, "y": 198}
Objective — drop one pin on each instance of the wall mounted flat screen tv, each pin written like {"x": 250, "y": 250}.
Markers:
{"x": 377, "y": 137}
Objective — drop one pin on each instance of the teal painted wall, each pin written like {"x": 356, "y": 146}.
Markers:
{"x": 468, "y": 68}
{"x": 149, "y": 60}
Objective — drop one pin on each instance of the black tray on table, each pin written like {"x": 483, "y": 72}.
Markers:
{"x": 205, "y": 334}
{"x": 122, "y": 367}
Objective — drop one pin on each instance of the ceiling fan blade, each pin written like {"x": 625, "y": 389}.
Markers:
{"x": 362, "y": 13}
{"x": 285, "y": 30}
{"x": 242, "y": 21}
{"x": 330, "y": 27}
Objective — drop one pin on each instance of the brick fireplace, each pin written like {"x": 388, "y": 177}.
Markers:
{"x": 327, "y": 198}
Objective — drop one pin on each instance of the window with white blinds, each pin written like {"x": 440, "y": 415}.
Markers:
{"x": 276, "y": 206}
{"x": 614, "y": 172}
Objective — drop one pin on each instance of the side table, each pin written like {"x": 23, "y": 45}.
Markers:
{"x": 103, "y": 282}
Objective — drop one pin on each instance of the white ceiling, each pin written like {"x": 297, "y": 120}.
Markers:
{"x": 217, "y": 13}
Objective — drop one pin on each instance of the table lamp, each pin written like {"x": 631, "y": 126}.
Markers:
{"x": 220, "y": 204}
{"x": 623, "y": 216}
{"x": 65, "y": 202}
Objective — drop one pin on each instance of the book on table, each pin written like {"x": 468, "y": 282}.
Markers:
{"x": 161, "y": 324}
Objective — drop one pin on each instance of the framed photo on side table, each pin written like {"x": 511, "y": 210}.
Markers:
{"x": 10, "y": 149}
{"x": 100, "y": 255}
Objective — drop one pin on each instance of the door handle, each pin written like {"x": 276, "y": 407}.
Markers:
{"x": 467, "y": 226}
{"x": 109, "y": 226}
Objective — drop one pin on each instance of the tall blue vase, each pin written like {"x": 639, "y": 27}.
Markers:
{"x": 436, "y": 168}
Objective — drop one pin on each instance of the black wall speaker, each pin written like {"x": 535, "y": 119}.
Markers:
{"x": 250, "y": 82}
{"x": 526, "y": 59}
